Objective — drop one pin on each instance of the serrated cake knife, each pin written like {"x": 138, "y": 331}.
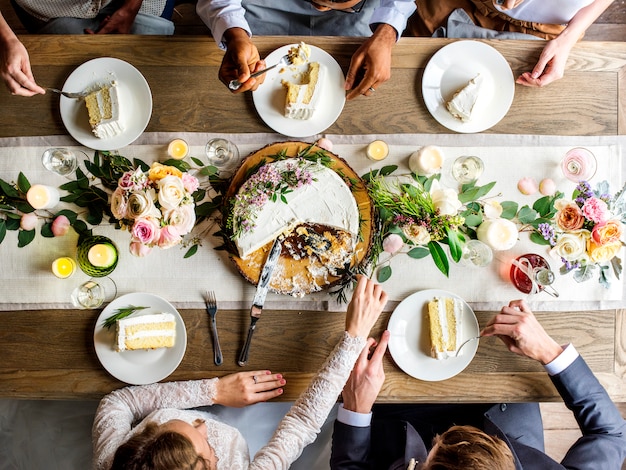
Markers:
{"x": 259, "y": 297}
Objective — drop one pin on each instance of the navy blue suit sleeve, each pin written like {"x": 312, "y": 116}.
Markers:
{"x": 603, "y": 444}
{"x": 350, "y": 447}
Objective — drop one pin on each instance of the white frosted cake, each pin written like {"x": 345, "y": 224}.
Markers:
{"x": 462, "y": 103}
{"x": 327, "y": 201}
{"x": 444, "y": 315}
{"x": 104, "y": 111}
{"x": 302, "y": 98}
{"x": 146, "y": 332}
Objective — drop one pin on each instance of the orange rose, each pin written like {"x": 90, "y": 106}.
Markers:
{"x": 570, "y": 217}
{"x": 602, "y": 253}
{"x": 609, "y": 232}
{"x": 158, "y": 171}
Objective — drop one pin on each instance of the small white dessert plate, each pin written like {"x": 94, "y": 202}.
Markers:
{"x": 452, "y": 67}
{"x": 145, "y": 366}
{"x": 409, "y": 344}
{"x": 134, "y": 96}
{"x": 269, "y": 98}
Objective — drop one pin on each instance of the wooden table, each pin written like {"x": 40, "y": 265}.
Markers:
{"x": 50, "y": 354}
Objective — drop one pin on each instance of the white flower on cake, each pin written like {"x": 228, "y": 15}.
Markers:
{"x": 464, "y": 100}
{"x": 104, "y": 111}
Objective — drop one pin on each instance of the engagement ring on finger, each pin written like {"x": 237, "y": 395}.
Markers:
{"x": 372, "y": 89}
{"x": 255, "y": 379}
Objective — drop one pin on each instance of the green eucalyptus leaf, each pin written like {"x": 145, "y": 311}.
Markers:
{"x": 3, "y": 230}
{"x": 22, "y": 183}
{"x": 197, "y": 161}
{"x": 24, "y": 237}
{"x": 509, "y": 209}
{"x": 538, "y": 239}
{"x": 388, "y": 169}
{"x": 544, "y": 205}
{"x": 439, "y": 257}
{"x": 419, "y": 252}
{"x": 473, "y": 220}
{"x": 191, "y": 251}
{"x": 526, "y": 215}
{"x": 383, "y": 273}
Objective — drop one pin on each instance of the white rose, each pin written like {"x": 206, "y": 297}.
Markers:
{"x": 492, "y": 209}
{"x": 571, "y": 246}
{"x": 182, "y": 217}
{"x": 171, "y": 191}
{"x": 416, "y": 233}
{"x": 445, "y": 199}
{"x": 141, "y": 204}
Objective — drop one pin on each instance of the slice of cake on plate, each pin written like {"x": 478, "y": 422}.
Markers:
{"x": 464, "y": 100}
{"x": 444, "y": 315}
{"x": 104, "y": 111}
{"x": 302, "y": 98}
{"x": 146, "y": 332}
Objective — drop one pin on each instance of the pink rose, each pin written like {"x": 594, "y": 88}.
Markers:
{"x": 133, "y": 180}
{"x": 596, "y": 210}
{"x": 119, "y": 203}
{"x": 60, "y": 226}
{"x": 145, "y": 230}
{"x": 28, "y": 221}
{"x": 190, "y": 183}
{"x": 183, "y": 218}
{"x": 139, "y": 249}
{"x": 169, "y": 236}
{"x": 392, "y": 243}
{"x": 325, "y": 144}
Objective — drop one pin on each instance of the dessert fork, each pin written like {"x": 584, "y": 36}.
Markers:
{"x": 68, "y": 94}
{"x": 211, "y": 308}
{"x": 464, "y": 343}
{"x": 284, "y": 60}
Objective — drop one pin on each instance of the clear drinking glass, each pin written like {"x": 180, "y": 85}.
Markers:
{"x": 94, "y": 292}
{"x": 579, "y": 164}
{"x": 222, "y": 154}
{"x": 467, "y": 169}
{"x": 476, "y": 253}
{"x": 61, "y": 161}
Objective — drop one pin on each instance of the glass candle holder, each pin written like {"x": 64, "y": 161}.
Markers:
{"x": 476, "y": 253}
{"x": 60, "y": 160}
{"x": 97, "y": 256}
{"x": 63, "y": 267}
{"x": 222, "y": 154}
{"x": 178, "y": 149}
{"x": 467, "y": 169}
{"x": 93, "y": 293}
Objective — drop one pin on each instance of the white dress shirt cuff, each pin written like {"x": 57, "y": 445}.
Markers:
{"x": 562, "y": 361}
{"x": 352, "y": 418}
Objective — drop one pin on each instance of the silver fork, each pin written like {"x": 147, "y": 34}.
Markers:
{"x": 236, "y": 84}
{"x": 211, "y": 307}
{"x": 68, "y": 94}
{"x": 464, "y": 343}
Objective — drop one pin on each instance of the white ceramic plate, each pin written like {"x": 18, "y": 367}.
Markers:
{"x": 456, "y": 64}
{"x": 139, "y": 367}
{"x": 269, "y": 98}
{"x": 134, "y": 95}
{"x": 409, "y": 343}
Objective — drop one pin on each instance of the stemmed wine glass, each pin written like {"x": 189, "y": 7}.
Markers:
{"x": 222, "y": 154}
{"x": 467, "y": 169}
{"x": 476, "y": 253}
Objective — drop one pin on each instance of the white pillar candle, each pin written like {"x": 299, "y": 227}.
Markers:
{"x": 426, "y": 161}
{"x": 42, "y": 197}
{"x": 499, "y": 234}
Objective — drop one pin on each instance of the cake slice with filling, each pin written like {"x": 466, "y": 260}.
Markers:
{"x": 146, "y": 332}
{"x": 301, "y": 98}
{"x": 104, "y": 111}
{"x": 444, "y": 315}
{"x": 464, "y": 100}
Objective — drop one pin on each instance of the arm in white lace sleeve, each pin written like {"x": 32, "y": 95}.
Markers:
{"x": 304, "y": 420}
{"x": 120, "y": 409}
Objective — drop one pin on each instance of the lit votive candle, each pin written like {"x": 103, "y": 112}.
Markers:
{"x": 499, "y": 234}
{"x": 43, "y": 197}
{"x": 101, "y": 255}
{"x": 63, "y": 267}
{"x": 426, "y": 161}
{"x": 178, "y": 149}
{"x": 377, "y": 150}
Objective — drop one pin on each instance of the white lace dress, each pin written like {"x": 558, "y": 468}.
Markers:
{"x": 120, "y": 411}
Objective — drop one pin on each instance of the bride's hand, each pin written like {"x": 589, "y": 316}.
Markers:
{"x": 246, "y": 388}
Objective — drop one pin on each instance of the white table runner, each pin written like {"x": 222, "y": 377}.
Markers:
{"x": 26, "y": 280}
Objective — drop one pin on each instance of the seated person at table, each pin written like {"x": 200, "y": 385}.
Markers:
{"x": 74, "y": 17}
{"x": 192, "y": 439}
{"x": 561, "y": 22}
{"x": 487, "y": 436}
{"x": 233, "y": 22}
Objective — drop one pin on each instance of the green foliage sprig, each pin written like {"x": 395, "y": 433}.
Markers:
{"x": 119, "y": 314}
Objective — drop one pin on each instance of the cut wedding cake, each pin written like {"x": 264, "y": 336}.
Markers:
{"x": 444, "y": 315}
{"x": 146, "y": 332}
{"x": 302, "y": 98}
{"x": 104, "y": 111}
{"x": 462, "y": 103}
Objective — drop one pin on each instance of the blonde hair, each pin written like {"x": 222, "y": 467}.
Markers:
{"x": 468, "y": 448}
{"x": 155, "y": 450}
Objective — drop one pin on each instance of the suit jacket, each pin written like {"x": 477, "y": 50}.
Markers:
{"x": 603, "y": 444}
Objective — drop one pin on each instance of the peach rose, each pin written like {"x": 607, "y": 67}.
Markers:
{"x": 570, "y": 217}
{"x": 602, "y": 253}
{"x": 159, "y": 171}
{"x": 609, "y": 232}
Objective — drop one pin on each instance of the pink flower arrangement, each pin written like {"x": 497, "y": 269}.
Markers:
{"x": 586, "y": 232}
{"x": 156, "y": 207}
